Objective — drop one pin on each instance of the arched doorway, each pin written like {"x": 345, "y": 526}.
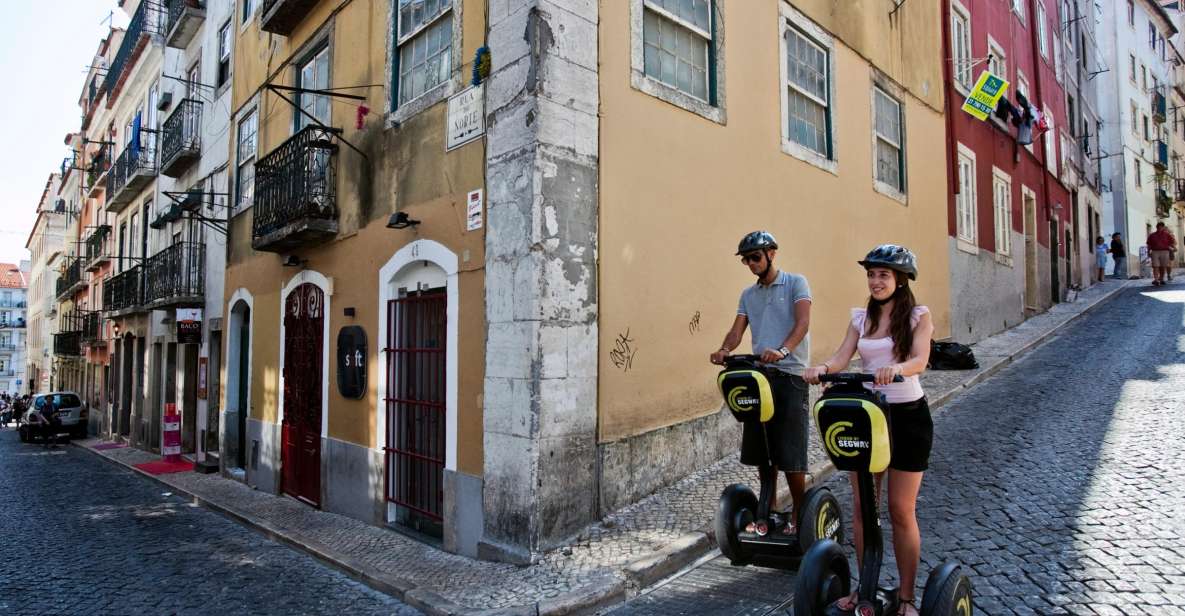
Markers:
{"x": 303, "y": 364}
{"x": 238, "y": 382}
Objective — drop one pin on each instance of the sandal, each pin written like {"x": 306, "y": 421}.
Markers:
{"x": 907, "y": 608}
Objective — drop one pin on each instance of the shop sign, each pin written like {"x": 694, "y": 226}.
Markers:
{"x": 189, "y": 325}
{"x": 171, "y": 439}
{"x": 351, "y": 362}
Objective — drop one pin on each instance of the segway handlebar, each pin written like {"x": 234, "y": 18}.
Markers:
{"x": 853, "y": 378}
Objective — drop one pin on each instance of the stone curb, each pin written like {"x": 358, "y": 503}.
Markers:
{"x": 639, "y": 573}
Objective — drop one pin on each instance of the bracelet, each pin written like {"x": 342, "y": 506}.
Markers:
{"x": 826, "y": 368}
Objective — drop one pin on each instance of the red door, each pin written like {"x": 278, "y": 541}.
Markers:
{"x": 416, "y": 327}
{"x": 304, "y": 333}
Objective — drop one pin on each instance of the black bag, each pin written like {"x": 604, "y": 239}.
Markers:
{"x": 951, "y": 356}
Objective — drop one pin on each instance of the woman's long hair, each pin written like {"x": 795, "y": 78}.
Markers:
{"x": 900, "y": 324}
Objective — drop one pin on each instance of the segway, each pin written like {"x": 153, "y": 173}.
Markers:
{"x": 747, "y": 394}
{"x": 855, "y": 431}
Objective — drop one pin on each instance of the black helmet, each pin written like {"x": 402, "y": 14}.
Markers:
{"x": 757, "y": 240}
{"x": 893, "y": 257}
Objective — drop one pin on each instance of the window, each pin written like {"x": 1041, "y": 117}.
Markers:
{"x": 1042, "y": 35}
{"x": 960, "y": 34}
{"x": 248, "y": 10}
{"x": 1131, "y": 72}
{"x": 224, "y": 54}
{"x": 246, "y": 149}
{"x": 998, "y": 65}
{"x": 965, "y": 203}
{"x": 677, "y": 42}
{"x": 1144, "y": 77}
{"x": 1131, "y": 13}
{"x": 1135, "y": 119}
{"x": 1139, "y": 180}
{"x": 890, "y": 132}
{"x": 193, "y": 79}
{"x": 1018, "y": 7}
{"x": 313, "y": 75}
{"x": 424, "y": 47}
{"x": 1147, "y": 135}
{"x": 808, "y": 92}
{"x": 1050, "y": 144}
{"x": 1002, "y": 206}
{"x": 134, "y": 227}
{"x": 1152, "y": 35}
{"x": 1057, "y": 62}
{"x": 1082, "y": 51}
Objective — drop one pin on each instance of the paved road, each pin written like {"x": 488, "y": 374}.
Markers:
{"x": 80, "y": 536}
{"x": 1058, "y": 482}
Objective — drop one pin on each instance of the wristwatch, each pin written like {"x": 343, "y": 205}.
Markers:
{"x": 785, "y": 352}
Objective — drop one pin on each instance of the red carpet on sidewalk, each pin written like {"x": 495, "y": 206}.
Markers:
{"x": 161, "y": 467}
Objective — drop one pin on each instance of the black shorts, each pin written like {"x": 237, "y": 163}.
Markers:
{"x": 912, "y": 431}
{"x": 786, "y": 432}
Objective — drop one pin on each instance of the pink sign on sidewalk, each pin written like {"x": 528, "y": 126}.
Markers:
{"x": 171, "y": 445}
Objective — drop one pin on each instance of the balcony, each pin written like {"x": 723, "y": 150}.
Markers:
{"x": 67, "y": 344}
{"x": 184, "y": 19}
{"x": 96, "y": 248}
{"x": 92, "y": 329}
{"x": 70, "y": 280}
{"x": 295, "y": 192}
{"x": 145, "y": 22}
{"x": 96, "y": 173}
{"x": 130, "y": 173}
{"x": 13, "y": 303}
{"x": 17, "y": 323}
{"x": 176, "y": 277}
{"x": 1159, "y": 106}
{"x": 1161, "y": 162}
{"x": 181, "y": 138}
{"x": 121, "y": 293}
{"x": 8, "y": 347}
{"x": 1180, "y": 193}
{"x": 281, "y": 16}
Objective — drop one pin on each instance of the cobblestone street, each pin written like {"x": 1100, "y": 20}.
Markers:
{"x": 1057, "y": 481}
{"x": 81, "y": 536}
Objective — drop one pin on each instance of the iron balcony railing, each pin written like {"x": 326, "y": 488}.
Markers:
{"x": 100, "y": 164}
{"x": 122, "y": 291}
{"x": 13, "y": 303}
{"x": 96, "y": 247}
{"x": 175, "y": 275}
{"x": 8, "y": 372}
{"x": 134, "y": 167}
{"x": 17, "y": 323}
{"x": 1159, "y": 106}
{"x": 281, "y": 16}
{"x": 67, "y": 344}
{"x": 1162, "y": 155}
{"x": 296, "y": 184}
{"x": 70, "y": 279}
{"x": 143, "y": 24}
{"x": 181, "y": 138}
{"x": 183, "y": 19}
{"x": 7, "y": 347}
{"x": 92, "y": 331}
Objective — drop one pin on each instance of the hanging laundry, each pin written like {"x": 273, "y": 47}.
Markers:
{"x": 1004, "y": 110}
{"x": 134, "y": 145}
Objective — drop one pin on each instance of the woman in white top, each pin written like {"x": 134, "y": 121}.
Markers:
{"x": 892, "y": 336}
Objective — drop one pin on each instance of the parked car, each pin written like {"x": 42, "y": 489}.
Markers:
{"x": 71, "y": 412}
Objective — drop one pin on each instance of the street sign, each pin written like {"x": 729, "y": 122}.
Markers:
{"x": 466, "y": 117}
{"x": 985, "y": 95}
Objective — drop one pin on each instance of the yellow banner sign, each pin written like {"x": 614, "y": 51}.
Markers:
{"x": 985, "y": 95}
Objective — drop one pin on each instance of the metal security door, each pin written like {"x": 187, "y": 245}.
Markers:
{"x": 416, "y": 327}
{"x": 304, "y": 320}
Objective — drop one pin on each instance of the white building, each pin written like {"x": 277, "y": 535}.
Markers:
{"x": 45, "y": 244}
{"x": 13, "y": 326}
{"x": 1133, "y": 40}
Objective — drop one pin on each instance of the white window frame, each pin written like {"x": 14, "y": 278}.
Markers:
{"x": 1002, "y": 214}
{"x": 1131, "y": 14}
{"x": 966, "y": 237}
{"x": 894, "y": 94}
{"x": 228, "y": 56}
{"x": 1057, "y": 60}
{"x": 399, "y": 113}
{"x": 251, "y": 110}
{"x": 1135, "y": 110}
{"x": 639, "y": 80}
{"x": 1022, "y": 87}
{"x": 1050, "y": 143}
{"x": 999, "y": 58}
{"x": 1042, "y": 25}
{"x": 1137, "y": 172}
{"x": 1018, "y": 7}
{"x": 1131, "y": 68}
{"x": 301, "y": 121}
{"x": 792, "y": 18}
{"x": 705, "y": 36}
{"x": 964, "y": 71}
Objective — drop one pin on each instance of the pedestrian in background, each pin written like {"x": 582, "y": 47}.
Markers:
{"x": 1160, "y": 247}
{"x": 1119, "y": 254}
{"x": 1100, "y": 258}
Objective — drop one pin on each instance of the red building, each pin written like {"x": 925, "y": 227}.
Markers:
{"x": 1009, "y": 204}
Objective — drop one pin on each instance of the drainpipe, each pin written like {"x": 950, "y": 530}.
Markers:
{"x": 948, "y": 81}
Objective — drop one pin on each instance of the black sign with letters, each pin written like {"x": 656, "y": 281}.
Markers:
{"x": 189, "y": 332}
{"x": 351, "y": 362}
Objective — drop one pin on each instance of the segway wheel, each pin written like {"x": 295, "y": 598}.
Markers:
{"x": 737, "y": 506}
{"x": 820, "y": 518}
{"x": 823, "y": 578}
{"x": 947, "y": 593}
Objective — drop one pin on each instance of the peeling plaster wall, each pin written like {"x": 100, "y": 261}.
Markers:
{"x": 541, "y": 277}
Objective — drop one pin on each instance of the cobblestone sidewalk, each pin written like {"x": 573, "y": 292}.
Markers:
{"x": 608, "y": 561}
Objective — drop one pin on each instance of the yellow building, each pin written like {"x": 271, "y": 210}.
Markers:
{"x": 535, "y": 355}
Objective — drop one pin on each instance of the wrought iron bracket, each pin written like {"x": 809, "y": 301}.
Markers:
{"x": 219, "y": 226}
{"x": 278, "y": 90}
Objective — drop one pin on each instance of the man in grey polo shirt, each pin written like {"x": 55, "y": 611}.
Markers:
{"x": 778, "y": 309}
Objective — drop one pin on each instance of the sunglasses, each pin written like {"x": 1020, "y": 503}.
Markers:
{"x": 752, "y": 258}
